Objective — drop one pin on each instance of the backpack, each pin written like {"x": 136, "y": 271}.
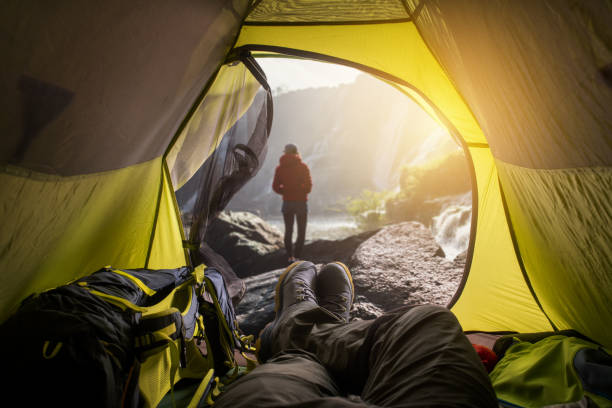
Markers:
{"x": 123, "y": 338}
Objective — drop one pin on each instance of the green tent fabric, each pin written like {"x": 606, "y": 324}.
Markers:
{"x": 544, "y": 373}
{"x": 103, "y": 105}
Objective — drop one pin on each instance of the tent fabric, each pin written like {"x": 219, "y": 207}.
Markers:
{"x": 222, "y": 145}
{"x": 546, "y": 112}
{"x": 495, "y": 296}
{"x": 531, "y": 75}
{"x": 228, "y": 98}
{"x": 313, "y": 11}
{"x": 562, "y": 218}
{"x": 102, "y": 86}
{"x": 56, "y": 229}
{"x": 166, "y": 250}
{"x": 237, "y": 157}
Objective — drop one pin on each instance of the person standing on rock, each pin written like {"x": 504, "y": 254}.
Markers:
{"x": 292, "y": 180}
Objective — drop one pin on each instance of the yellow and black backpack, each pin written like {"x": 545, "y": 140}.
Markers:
{"x": 124, "y": 338}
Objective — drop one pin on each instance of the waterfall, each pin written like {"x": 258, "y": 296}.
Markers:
{"x": 451, "y": 228}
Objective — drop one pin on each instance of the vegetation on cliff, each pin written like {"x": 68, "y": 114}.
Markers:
{"x": 421, "y": 195}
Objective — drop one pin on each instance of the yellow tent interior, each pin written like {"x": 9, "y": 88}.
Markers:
{"x": 102, "y": 120}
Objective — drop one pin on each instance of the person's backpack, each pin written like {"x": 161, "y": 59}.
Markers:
{"x": 122, "y": 338}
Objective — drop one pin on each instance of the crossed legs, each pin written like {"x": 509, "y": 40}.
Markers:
{"x": 412, "y": 357}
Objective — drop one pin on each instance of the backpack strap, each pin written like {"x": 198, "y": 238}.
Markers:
{"x": 207, "y": 391}
{"x": 155, "y": 332}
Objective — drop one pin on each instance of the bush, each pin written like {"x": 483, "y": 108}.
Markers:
{"x": 439, "y": 178}
{"x": 369, "y": 208}
{"x": 421, "y": 187}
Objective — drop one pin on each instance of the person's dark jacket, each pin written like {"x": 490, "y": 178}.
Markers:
{"x": 292, "y": 178}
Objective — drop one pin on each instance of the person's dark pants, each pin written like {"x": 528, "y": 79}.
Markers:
{"x": 297, "y": 210}
{"x": 413, "y": 357}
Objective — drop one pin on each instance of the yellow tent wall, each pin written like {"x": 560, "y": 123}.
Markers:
{"x": 537, "y": 77}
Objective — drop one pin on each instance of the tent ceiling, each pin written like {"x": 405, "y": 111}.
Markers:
{"x": 531, "y": 75}
{"x": 334, "y": 11}
{"x": 90, "y": 87}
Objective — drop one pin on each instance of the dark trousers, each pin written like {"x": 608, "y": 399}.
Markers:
{"x": 297, "y": 210}
{"x": 413, "y": 357}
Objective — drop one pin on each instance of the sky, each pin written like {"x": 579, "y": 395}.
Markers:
{"x": 291, "y": 74}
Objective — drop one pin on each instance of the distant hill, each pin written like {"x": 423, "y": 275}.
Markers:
{"x": 355, "y": 136}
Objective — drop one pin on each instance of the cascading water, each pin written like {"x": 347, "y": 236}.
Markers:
{"x": 451, "y": 228}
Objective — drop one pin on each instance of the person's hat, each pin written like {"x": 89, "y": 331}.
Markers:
{"x": 291, "y": 149}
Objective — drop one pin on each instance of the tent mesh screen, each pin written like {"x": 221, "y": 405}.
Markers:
{"x": 309, "y": 11}
{"x": 235, "y": 161}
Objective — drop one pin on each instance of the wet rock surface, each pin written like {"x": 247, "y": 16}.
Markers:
{"x": 398, "y": 265}
{"x": 319, "y": 251}
{"x": 403, "y": 265}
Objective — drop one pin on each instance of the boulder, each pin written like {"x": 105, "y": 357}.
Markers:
{"x": 363, "y": 309}
{"x": 241, "y": 237}
{"x": 319, "y": 251}
{"x": 257, "y": 306}
{"x": 248, "y": 263}
{"x": 397, "y": 265}
{"x": 401, "y": 265}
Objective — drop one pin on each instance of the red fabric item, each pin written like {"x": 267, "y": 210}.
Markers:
{"x": 292, "y": 178}
{"x": 487, "y": 356}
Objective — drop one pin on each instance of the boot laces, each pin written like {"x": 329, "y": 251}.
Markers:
{"x": 303, "y": 290}
{"x": 337, "y": 300}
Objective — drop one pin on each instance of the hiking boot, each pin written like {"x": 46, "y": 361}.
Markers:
{"x": 296, "y": 284}
{"x": 335, "y": 290}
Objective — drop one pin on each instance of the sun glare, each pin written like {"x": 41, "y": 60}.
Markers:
{"x": 285, "y": 74}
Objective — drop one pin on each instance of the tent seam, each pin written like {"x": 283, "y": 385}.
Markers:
{"x": 155, "y": 217}
{"x": 518, "y": 255}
